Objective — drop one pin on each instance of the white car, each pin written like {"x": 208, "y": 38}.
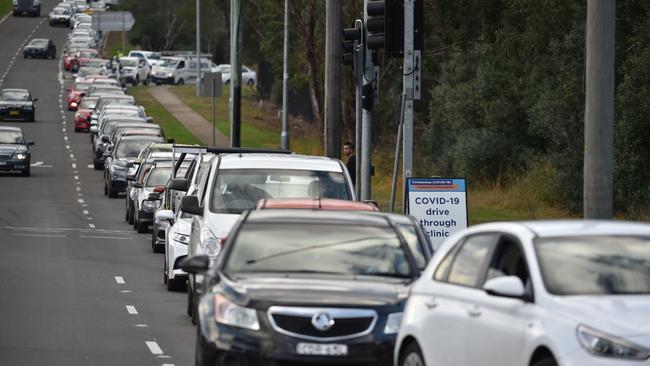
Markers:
{"x": 248, "y": 76}
{"x": 170, "y": 70}
{"x": 547, "y": 293}
{"x": 152, "y": 58}
{"x": 237, "y": 181}
{"x": 133, "y": 70}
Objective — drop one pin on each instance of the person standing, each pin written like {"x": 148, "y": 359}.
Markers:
{"x": 351, "y": 164}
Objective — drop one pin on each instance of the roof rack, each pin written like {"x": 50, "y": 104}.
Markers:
{"x": 194, "y": 149}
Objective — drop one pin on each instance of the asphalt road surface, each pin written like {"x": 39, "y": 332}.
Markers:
{"x": 77, "y": 285}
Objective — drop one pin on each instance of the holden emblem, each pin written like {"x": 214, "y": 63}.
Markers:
{"x": 322, "y": 321}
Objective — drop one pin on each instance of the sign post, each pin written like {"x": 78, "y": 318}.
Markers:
{"x": 113, "y": 21}
{"x": 439, "y": 205}
{"x": 212, "y": 87}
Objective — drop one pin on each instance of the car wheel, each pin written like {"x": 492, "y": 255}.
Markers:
{"x": 137, "y": 81}
{"x": 156, "y": 248}
{"x": 550, "y": 361}
{"x": 147, "y": 80}
{"x": 26, "y": 172}
{"x": 251, "y": 82}
{"x": 77, "y": 129}
{"x": 165, "y": 269}
{"x": 112, "y": 193}
{"x": 142, "y": 227}
{"x": 126, "y": 211}
{"x": 99, "y": 166}
{"x": 181, "y": 82}
{"x": 411, "y": 356}
{"x": 32, "y": 118}
{"x": 203, "y": 355}
{"x": 195, "y": 309}
{"x": 190, "y": 301}
{"x": 176, "y": 284}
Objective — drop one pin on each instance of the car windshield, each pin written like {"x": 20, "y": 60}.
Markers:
{"x": 167, "y": 62}
{"x": 87, "y": 54}
{"x": 130, "y": 149}
{"x": 88, "y": 103}
{"x": 154, "y": 56}
{"x": 318, "y": 248}
{"x": 11, "y": 137}
{"x": 38, "y": 42}
{"x": 95, "y": 64}
{"x": 237, "y": 190}
{"x": 129, "y": 63}
{"x": 81, "y": 86}
{"x": 158, "y": 177}
{"x": 60, "y": 12}
{"x": 14, "y": 95}
{"x": 595, "y": 265}
{"x": 85, "y": 71}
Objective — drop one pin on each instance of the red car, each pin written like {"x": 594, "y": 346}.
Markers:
{"x": 76, "y": 92}
{"x": 72, "y": 61}
{"x": 67, "y": 59}
{"x": 82, "y": 117}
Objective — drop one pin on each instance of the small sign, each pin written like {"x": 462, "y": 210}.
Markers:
{"x": 439, "y": 205}
{"x": 113, "y": 21}
{"x": 211, "y": 85}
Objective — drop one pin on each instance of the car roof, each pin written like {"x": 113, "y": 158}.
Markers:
{"x": 315, "y": 204}
{"x": 15, "y": 90}
{"x": 319, "y": 217}
{"x": 550, "y": 228}
{"x": 140, "y": 137}
{"x": 10, "y": 128}
{"x": 136, "y": 125}
{"x": 129, "y": 58}
{"x": 279, "y": 161}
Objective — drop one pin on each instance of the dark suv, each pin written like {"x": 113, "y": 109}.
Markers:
{"x": 31, "y": 7}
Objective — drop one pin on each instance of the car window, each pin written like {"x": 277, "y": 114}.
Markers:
{"x": 508, "y": 260}
{"x": 202, "y": 180}
{"x": 11, "y": 137}
{"x": 14, "y": 95}
{"x": 158, "y": 176}
{"x": 467, "y": 266}
{"x": 410, "y": 235}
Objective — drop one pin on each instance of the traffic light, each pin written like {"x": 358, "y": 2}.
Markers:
{"x": 350, "y": 36}
{"x": 385, "y": 26}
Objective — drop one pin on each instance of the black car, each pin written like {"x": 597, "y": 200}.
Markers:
{"x": 17, "y": 105}
{"x": 40, "y": 48}
{"x": 31, "y": 7}
{"x": 298, "y": 287}
{"x": 14, "y": 150}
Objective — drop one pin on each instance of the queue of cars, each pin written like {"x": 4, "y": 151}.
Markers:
{"x": 282, "y": 266}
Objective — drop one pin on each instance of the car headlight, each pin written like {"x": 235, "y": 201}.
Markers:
{"x": 226, "y": 312}
{"x": 181, "y": 238}
{"x": 392, "y": 323}
{"x": 28, "y": 107}
{"x": 170, "y": 74}
{"x": 210, "y": 243}
{"x": 74, "y": 104}
{"x": 606, "y": 345}
{"x": 21, "y": 156}
{"x": 151, "y": 204}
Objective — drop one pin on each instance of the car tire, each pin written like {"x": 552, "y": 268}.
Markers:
{"x": 195, "y": 309}
{"x": 77, "y": 129}
{"x": 204, "y": 355}
{"x": 165, "y": 269}
{"x": 181, "y": 82}
{"x": 156, "y": 248}
{"x": 250, "y": 82}
{"x": 32, "y": 118}
{"x": 112, "y": 193}
{"x": 142, "y": 227}
{"x": 190, "y": 301}
{"x": 411, "y": 356}
{"x": 137, "y": 81}
{"x": 549, "y": 361}
{"x": 99, "y": 166}
{"x": 176, "y": 284}
{"x": 26, "y": 172}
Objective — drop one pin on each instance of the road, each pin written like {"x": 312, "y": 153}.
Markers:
{"x": 78, "y": 286}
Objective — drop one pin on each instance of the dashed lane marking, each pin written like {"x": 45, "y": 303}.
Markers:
{"x": 119, "y": 280}
{"x": 154, "y": 348}
{"x": 131, "y": 310}
{"x": 92, "y": 226}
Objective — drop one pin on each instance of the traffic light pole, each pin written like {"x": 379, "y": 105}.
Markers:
{"x": 366, "y": 127}
{"x": 409, "y": 91}
{"x": 358, "y": 78}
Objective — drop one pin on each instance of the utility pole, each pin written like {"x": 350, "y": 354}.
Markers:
{"x": 235, "y": 75}
{"x": 284, "y": 136}
{"x": 331, "y": 136}
{"x": 366, "y": 124}
{"x": 198, "y": 48}
{"x": 599, "y": 110}
{"x": 359, "y": 68}
{"x": 408, "y": 90}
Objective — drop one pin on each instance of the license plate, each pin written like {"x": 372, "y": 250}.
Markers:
{"x": 14, "y": 113}
{"x": 317, "y": 349}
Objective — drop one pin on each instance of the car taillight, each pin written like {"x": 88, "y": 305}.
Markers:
{"x": 159, "y": 189}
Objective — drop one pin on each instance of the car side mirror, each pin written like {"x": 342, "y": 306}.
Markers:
{"x": 190, "y": 205}
{"x": 105, "y": 138}
{"x": 505, "y": 286}
{"x": 195, "y": 264}
{"x": 138, "y": 185}
{"x": 165, "y": 215}
{"x": 29, "y": 143}
{"x": 178, "y": 184}
{"x": 35, "y": 99}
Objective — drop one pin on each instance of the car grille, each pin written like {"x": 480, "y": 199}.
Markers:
{"x": 4, "y": 157}
{"x": 297, "y": 322}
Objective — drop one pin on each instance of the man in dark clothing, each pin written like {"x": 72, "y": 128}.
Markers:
{"x": 351, "y": 164}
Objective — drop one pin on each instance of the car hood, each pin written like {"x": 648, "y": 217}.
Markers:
{"x": 29, "y": 47}
{"x": 623, "y": 316}
{"x": 263, "y": 290}
{"x": 12, "y": 148}
{"x": 18, "y": 103}
{"x": 220, "y": 224}
{"x": 183, "y": 226}
{"x": 129, "y": 69}
{"x": 163, "y": 69}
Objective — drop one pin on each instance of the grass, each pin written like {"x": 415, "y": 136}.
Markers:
{"x": 172, "y": 127}
{"x": 114, "y": 44}
{"x": 5, "y": 7}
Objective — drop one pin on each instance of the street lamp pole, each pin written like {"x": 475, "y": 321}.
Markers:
{"x": 198, "y": 48}
{"x": 284, "y": 136}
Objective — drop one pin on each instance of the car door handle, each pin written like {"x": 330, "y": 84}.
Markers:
{"x": 431, "y": 304}
{"x": 474, "y": 312}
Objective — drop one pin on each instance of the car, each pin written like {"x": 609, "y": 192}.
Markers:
{"x": 14, "y": 150}
{"x": 539, "y": 293}
{"x": 77, "y": 91}
{"x": 17, "y": 105}
{"x": 31, "y": 7}
{"x": 137, "y": 173}
{"x": 40, "y": 48}
{"x": 82, "y": 116}
{"x": 117, "y": 127}
{"x": 154, "y": 181}
{"x": 60, "y": 16}
{"x": 248, "y": 76}
{"x": 74, "y": 59}
{"x": 120, "y": 158}
{"x": 170, "y": 70}
{"x": 240, "y": 178}
{"x": 152, "y": 58}
{"x": 304, "y": 287}
{"x": 315, "y": 204}
{"x": 134, "y": 70}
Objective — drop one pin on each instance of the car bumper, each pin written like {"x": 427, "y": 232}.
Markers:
{"x": 161, "y": 80}
{"x": 81, "y": 123}
{"x": 16, "y": 115}
{"x": 118, "y": 183}
{"x": 35, "y": 54}
{"x": 177, "y": 252}
{"x": 9, "y": 165}
{"x": 266, "y": 347}
{"x": 581, "y": 357}
{"x": 60, "y": 22}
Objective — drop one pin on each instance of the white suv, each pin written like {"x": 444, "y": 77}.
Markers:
{"x": 237, "y": 181}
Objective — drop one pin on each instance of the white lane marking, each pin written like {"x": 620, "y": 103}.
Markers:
{"x": 76, "y": 177}
{"x": 5, "y": 18}
{"x": 164, "y": 356}
{"x": 75, "y": 172}
{"x": 36, "y": 163}
{"x": 131, "y": 310}
{"x": 74, "y": 166}
{"x": 119, "y": 280}
{"x": 141, "y": 325}
{"x": 126, "y": 291}
{"x": 92, "y": 226}
{"x": 67, "y": 147}
{"x": 104, "y": 237}
{"x": 71, "y": 156}
{"x": 78, "y": 188}
{"x": 91, "y": 166}
{"x": 86, "y": 212}
{"x": 168, "y": 364}
{"x": 154, "y": 348}
{"x": 46, "y": 236}
{"x": 80, "y": 200}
